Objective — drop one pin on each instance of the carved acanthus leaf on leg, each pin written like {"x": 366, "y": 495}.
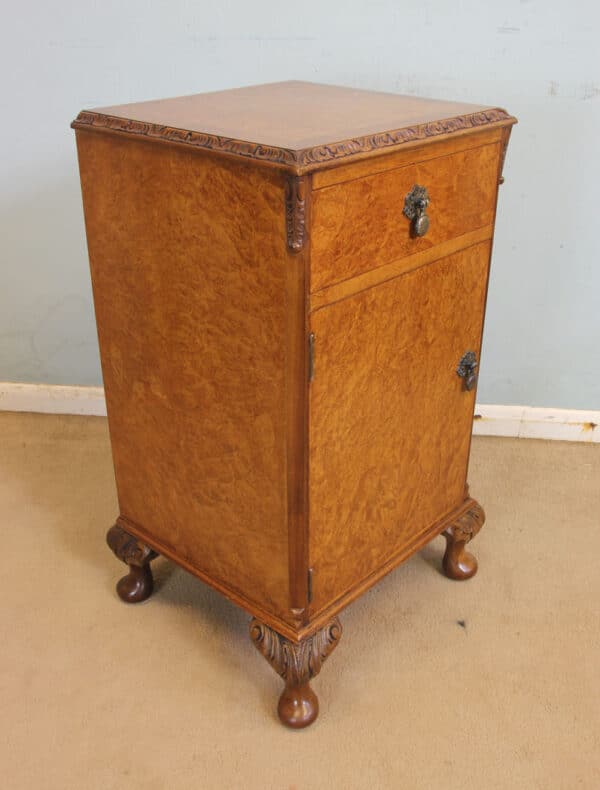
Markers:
{"x": 296, "y": 663}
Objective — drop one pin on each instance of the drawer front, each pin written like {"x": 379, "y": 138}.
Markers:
{"x": 390, "y": 419}
{"x": 359, "y": 225}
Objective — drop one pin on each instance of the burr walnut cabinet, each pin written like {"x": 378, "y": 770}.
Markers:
{"x": 290, "y": 283}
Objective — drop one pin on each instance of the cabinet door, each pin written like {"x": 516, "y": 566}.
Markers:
{"x": 390, "y": 419}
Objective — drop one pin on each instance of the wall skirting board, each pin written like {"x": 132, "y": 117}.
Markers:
{"x": 525, "y": 422}
{"x": 52, "y": 399}
{"x": 528, "y": 422}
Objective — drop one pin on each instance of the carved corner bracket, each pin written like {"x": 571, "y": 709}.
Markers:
{"x": 296, "y": 663}
{"x": 458, "y": 563}
{"x": 295, "y": 212}
{"x": 128, "y": 548}
{"x": 503, "y": 148}
{"x": 465, "y": 527}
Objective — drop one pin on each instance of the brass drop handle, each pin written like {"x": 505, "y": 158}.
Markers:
{"x": 467, "y": 369}
{"x": 415, "y": 206}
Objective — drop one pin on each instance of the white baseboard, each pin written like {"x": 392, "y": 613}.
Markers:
{"x": 524, "y": 422}
{"x": 528, "y": 422}
{"x": 52, "y": 399}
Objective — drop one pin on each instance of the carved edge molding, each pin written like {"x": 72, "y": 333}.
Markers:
{"x": 171, "y": 134}
{"x": 296, "y": 663}
{"x": 467, "y": 525}
{"x": 409, "y": 134}
{"x": 304, "y": 159}
{"x": 295, "y": 212}
{"x": 128, "y": 548}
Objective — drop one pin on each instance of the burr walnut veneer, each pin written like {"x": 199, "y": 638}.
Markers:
{"x": 290, "y": 284}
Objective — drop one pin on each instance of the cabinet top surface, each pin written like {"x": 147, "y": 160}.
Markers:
{"x": 298, "y": 125}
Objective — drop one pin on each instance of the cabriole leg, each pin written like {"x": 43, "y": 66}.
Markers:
{"x": 297, "y": 664}
{"x": 138, "y": 584}
{"x": 458, "y": 563}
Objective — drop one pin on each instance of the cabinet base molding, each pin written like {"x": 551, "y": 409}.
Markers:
{"x": 288, "y": 629}
{"x": 127, "y": 539}
{"x": 297, "y": 664}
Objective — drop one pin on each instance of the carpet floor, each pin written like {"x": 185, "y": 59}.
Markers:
{"x": 492, "y": 683}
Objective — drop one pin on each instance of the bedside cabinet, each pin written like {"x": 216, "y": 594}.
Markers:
{"x": 290, "y": 284}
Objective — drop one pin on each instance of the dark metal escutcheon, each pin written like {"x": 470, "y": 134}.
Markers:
{"x": 467, "y": 369}
{"x": 415, "y": 206}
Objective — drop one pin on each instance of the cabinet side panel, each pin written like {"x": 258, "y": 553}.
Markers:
{"x": 188, "y": 254}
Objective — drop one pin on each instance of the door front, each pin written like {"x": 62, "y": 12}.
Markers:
{"x": 390, "y": 418}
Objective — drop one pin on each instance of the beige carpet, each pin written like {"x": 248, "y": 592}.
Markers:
{"x": 492, "y": 683}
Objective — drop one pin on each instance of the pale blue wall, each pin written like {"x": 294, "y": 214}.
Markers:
{"x": 541, "y": 60}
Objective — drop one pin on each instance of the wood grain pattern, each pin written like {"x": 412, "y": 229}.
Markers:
{"x": 319, "y": 618}
{"x": 299, "y": 126}
{"x": 389, "y": 420}
{"x": 380, "y": 274}
{"x": 291, "y": 629}
{"x": 358, "y": 225}
{"x": 188, "y": 257}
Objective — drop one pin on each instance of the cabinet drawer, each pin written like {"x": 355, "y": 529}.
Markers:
{"x": 358, "y": 225}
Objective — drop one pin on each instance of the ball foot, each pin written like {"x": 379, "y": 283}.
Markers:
{"x": 298, "y": 706}
{"x": 137, "y": 586}
{"x": 459, "y": 564}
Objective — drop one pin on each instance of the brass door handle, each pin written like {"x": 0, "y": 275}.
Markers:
{"x": 467, "y": 369}
{"x": 415, "y": 207}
